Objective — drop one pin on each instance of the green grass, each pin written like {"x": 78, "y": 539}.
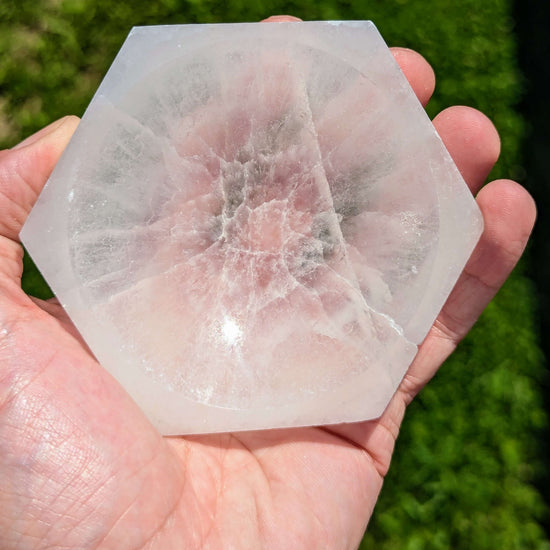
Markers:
{"x": 468, "y": 454}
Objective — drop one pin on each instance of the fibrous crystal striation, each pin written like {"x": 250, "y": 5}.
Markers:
{"x": 254, "y": 225}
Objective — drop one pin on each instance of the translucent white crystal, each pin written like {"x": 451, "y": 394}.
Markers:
{"x": 254, "y": 224}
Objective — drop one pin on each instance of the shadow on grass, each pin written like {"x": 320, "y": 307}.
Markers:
{"x": 532, "y": 23}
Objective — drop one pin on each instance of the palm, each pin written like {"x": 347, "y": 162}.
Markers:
{"x": 81, "y": 466}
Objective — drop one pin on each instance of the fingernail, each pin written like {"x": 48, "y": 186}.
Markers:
{"x": 281, "y": 19}
{"x": 47, "y": 130}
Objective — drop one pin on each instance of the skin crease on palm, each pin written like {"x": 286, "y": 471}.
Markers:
{"x": 81, "y": 467}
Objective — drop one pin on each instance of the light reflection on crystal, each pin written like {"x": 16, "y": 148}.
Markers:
{"x": 231, "y": 332}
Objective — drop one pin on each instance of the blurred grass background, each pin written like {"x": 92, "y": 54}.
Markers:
{"x": 469, "y": 467}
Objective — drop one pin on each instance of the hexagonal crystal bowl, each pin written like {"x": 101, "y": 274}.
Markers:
{"x": 254, "y": 225}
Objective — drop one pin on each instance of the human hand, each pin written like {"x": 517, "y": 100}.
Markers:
{"x": 81, "y": 467}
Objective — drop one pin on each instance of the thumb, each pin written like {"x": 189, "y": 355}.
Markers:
{"x": 24, "y": 170}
